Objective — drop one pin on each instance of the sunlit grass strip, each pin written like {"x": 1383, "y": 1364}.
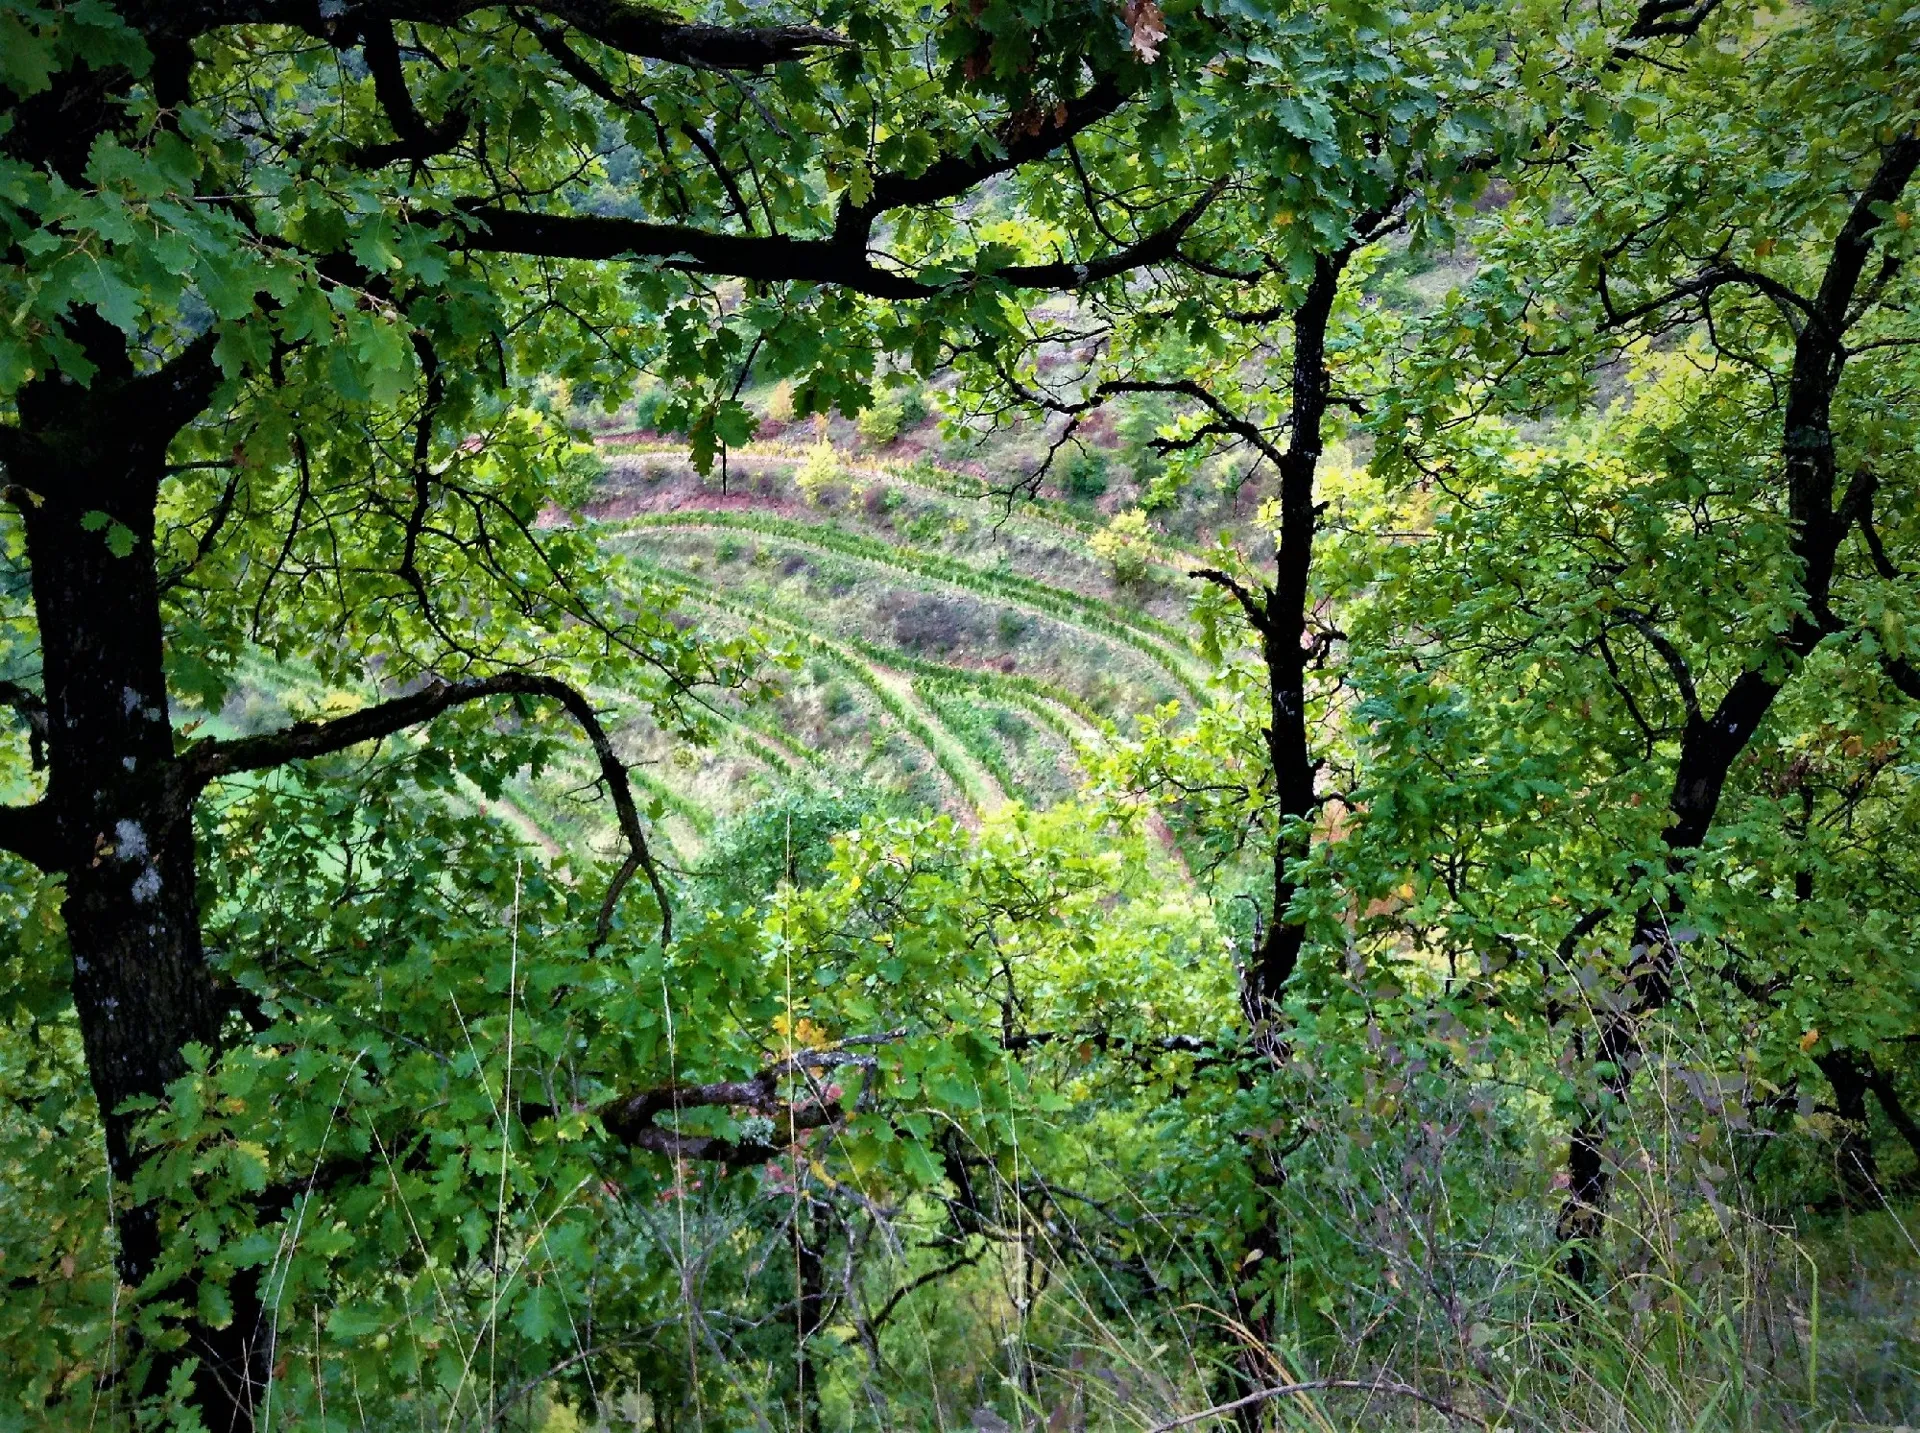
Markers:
{"x": 745, "y": 728}
{"x": 567, "y": 822}
{"x": 1075, "y": 610}
{"x": 918, "y": 472}
{"x": 676, "y": 802}
{"x": 761, "y": 751}
{"x": 556, "y": 829}
{"x": 1044, "y": 699}
{"x": 966, "y": 783}
{"x": 948, "y": 754}
{"x": 904, "y": 555}
{"x": 951, "y": 702}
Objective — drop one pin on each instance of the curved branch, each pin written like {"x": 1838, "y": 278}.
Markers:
{"x": 28, "y": 832}
{"x": 1705, "y": 283}
{"x": 956, "y": 173}
{"x": 210, "y": 760}
{"x": 638, "y": 30}
{"x": 1902, "y": 673}
{"x": 648, "y": 34}
{"x": 633, "y": 1119}
{"x": 770, "y": 258}
{"x": 415, "y": 140}
{"x": 1676, "y": 664}
{"x": 931, "y": 1276}
{"x": 841, "y": 261}
{"x": 1155, "y": 248}
{"x": 1255, "y": 609}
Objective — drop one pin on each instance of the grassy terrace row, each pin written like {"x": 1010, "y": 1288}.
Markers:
{"x": 846, "y": 658}
{"x": 562, "y": 824}
{"x": 945, "y": 749}
{"x": 1044, "y": 699}
{"x": 951, "y": 569}
{"x": 926, "y": 475}
{"x": 959, "y": 709}
{"x": 1169, "y": 654}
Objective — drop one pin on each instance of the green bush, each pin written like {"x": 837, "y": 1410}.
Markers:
{"x": 880, "y": 422}
{"x": 651, "y": 407}
{"x": 1139, "y": 424}
{"x": 818, "y": 472}
{"x": 1083, "y": 473}
{"x": 1126, "y": 546}
{"x": 787, "y": 836}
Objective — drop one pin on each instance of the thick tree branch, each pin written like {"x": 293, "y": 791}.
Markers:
{"x": 1855, "y": 241}
{"x": 1902, "y": 673}
{"x": 633, "y": 1119}
{"x": 1159, "y": 247}
{"x": 639, "y": 30}
{"x": 210, "y": 760}
{"x": 28, "y": 832}
{"x": 778, "y": 258}
{"x": 416, "y": 139}
{"x": 1676, "y": 664}
{"x": 1658, "y": 20}
{"x": 769, "y": 258}
{"x": 1255, "y": 607}
{"x": 955, "y": 174}
{"x": 1703, "y": 284}
{"x": 646, "y": 33}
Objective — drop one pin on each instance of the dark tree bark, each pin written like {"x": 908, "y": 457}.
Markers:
{"x": 810, "y": 1316}
{"x": 1284, "y": 637}
{"x": 86, "y": 480}
{"x": 1854, "y": 1165}
{"x": 1280, "y": 614}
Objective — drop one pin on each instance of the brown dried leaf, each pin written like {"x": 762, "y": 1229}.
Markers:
{"x": 1148, "y": 25}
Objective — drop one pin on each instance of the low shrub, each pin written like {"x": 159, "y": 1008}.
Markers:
{"x": 1126, "y": 546}
{"x": 1083, "y": 473}
{"x": 651, "y": 407}
{"x": 820, "y": 470}
{"x": 881, "y": 421}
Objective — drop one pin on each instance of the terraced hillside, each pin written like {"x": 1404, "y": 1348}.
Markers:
{"x": 935, "y": 645}
{"x": 950, "y": 651}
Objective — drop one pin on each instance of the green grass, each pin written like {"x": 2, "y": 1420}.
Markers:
{"x": 946, "y": 752}
{"x": 858, "y": 657}
{"x": 927, "y": 476}
{"x": 1161, "y": 643}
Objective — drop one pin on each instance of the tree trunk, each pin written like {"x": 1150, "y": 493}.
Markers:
{"x": 811, "y": 1313}
{"x": 1281, "y": 621}
{"x": 1711, "y": 742}
{"x": 1283, "y": 636}
{"x": 1895, "y": 1109}
{"x": 1853, "y": 1159}
{"x": 122, "y": 824}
